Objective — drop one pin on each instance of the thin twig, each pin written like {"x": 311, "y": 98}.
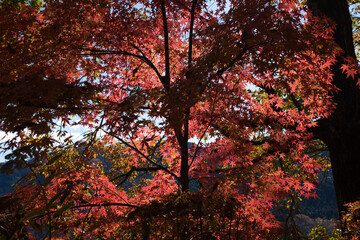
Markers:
{"x": 143, "y": 155}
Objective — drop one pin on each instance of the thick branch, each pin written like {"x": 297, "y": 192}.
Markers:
{"x": 192, "y": 18}
{"x": 166, "y": 45}
{"x": 232, "y": 63}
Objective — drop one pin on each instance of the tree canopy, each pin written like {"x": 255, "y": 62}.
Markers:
{"x": 198, "y": 115}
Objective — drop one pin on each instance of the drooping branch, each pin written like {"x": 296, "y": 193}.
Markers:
{"x": 88, "y": 205}
{"x": 105, "y": 205}
{"x": 125, "y": 53}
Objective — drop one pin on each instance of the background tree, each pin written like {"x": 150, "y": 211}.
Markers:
{"x": 340, "y": 131}
{"x": 245, "y": 79}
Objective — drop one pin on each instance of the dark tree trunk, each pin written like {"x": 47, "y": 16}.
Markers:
{"x": 341, "y": 131}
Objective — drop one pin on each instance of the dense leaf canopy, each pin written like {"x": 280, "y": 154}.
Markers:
{"x": 243, "y": 80}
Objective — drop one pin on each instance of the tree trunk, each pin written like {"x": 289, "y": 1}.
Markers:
{"x": 345, "y": 161}
{"x": 341, "y": 131}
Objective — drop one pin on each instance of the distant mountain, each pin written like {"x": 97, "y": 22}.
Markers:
{"x": 6, "y": 181}
{"x": 326, "y": 205}
{"x": 323, "y": 207}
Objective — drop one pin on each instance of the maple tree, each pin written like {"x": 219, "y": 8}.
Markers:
{"x": 245, "y": 79}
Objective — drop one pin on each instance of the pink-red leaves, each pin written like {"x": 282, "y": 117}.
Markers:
{"x": 145, "y": 77}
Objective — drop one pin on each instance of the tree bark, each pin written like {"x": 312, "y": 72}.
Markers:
{"x": 341, "y": 131}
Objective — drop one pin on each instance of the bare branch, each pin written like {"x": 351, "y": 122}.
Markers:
{"x": 134, "y": 169}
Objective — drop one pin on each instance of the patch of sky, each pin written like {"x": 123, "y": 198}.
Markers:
{"x": 73, "y": 130}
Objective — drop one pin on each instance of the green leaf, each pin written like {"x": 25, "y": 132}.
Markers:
{"x": 53, "y": 159}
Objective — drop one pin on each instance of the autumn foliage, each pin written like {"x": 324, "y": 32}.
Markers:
{"x": 350, "y": 221}
{"x": 243, "y": 80}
